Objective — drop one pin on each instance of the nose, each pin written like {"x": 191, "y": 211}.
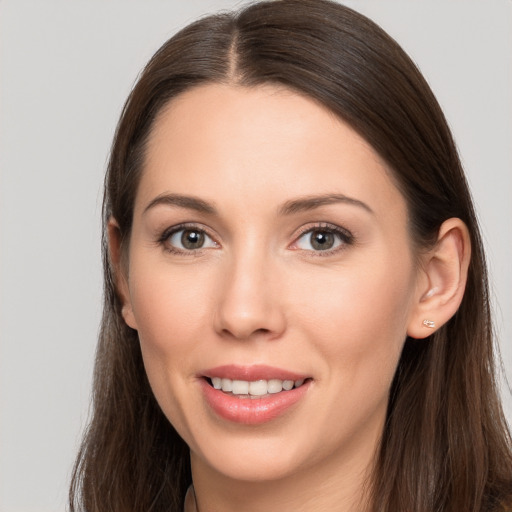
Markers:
{"x": 249, "y": 301}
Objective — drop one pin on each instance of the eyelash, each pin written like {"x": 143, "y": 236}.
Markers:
{"x": 346, "y": 238}
{"x": 344, "y": 235}
{"x": 164, "y": 238}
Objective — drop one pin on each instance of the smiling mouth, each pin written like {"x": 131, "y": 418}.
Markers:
{"x": 254, "y": 389}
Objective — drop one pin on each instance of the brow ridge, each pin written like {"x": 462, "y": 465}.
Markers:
{"x": 288, "y": 208}
{"x": 311, "y": 202}
{"x": 182, "y": 201}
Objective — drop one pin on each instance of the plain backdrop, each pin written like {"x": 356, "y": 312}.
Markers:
{"x": 66, "y": 68}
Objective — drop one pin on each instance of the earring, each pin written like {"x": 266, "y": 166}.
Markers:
{"x": 429, "y": 323}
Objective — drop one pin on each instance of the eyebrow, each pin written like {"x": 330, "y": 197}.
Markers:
{"x": 181, "y": 201}
{"x": 311, "y": 202}
{"x": 288, "y": 208}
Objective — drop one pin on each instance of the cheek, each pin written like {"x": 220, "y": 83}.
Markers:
{"x": 170, "y": 306}
{"x": 359, "y": 317}
{"x": 171, "y": 312}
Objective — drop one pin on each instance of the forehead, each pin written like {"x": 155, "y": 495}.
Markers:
{"x": 232, "y": 143}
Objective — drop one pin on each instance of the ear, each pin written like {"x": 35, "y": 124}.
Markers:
{"x": 443, "y": 281}
{"x": 120, "y": 269}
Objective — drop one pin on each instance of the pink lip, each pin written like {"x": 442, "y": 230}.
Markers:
{"x": 251, "y": 411}
{"x": 251, "y": 373}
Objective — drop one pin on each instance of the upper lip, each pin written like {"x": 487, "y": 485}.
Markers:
{"x": 252, "y": 373}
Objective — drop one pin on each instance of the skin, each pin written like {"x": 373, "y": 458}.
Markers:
{"x": 259, "y": 293}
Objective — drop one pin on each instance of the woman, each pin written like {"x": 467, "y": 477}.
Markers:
{"x": 296, "y": 312}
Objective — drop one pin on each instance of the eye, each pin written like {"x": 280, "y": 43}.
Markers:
{"x": 320, "y": 239}
{"x": 188, "y": 239}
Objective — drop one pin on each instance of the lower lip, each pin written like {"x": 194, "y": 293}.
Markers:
{"x": 251, "y": 411}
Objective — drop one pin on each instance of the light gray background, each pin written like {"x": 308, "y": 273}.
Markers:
{"x": 66, "y": 68}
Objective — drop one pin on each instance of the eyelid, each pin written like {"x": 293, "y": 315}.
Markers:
{"x": 346, "y": 237}
{"x": 167, "y": 233}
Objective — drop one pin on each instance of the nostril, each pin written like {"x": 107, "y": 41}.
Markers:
{"x": 241, "y": 334}
{"x": 244, "y": 314}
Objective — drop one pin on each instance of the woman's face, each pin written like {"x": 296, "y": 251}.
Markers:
{"x": 269, "y": 246}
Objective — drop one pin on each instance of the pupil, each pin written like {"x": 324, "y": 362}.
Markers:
{"x": 322, "y": 240}
{"x": 192, "y": 239}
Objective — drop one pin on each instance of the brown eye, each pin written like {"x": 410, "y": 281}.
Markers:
{"x": 192, "y": 239}
{"x": 322, "y": 240}
{"x": 189, "y": 239}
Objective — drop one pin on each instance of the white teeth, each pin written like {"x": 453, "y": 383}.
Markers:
{"x": 258, "y": 388}
{"x": 275, "y": 386}
{"x": 254, "y": 388}
{"x": 240, "y": 387}
{"x": 227, "y": 385}
{"x": 288, "y": 384}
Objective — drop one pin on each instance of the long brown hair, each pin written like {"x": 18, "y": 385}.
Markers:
{"x": 445, "y": 446}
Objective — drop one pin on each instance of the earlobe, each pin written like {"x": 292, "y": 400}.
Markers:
{"x": 120, "y": 272}
{"x": 442, "y": 286}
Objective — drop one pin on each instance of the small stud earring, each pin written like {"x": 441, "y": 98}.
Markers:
{"x": 429, "y": 323}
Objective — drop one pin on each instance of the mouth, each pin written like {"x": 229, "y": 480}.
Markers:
{"x": 253, "y": 395}
{"x": 254, "y": 389}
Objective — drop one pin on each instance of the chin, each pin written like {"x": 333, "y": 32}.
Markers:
{"x": 263, "y": 461}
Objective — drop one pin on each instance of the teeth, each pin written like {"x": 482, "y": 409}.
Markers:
{"x": 275, "y": 386}
{"x": 240, "y": 387}
{"x": 254, "y": 388}
{"x": 258, "y": 388}
{"x": 288, "y": 384}
{"x": 227, "y": 385}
